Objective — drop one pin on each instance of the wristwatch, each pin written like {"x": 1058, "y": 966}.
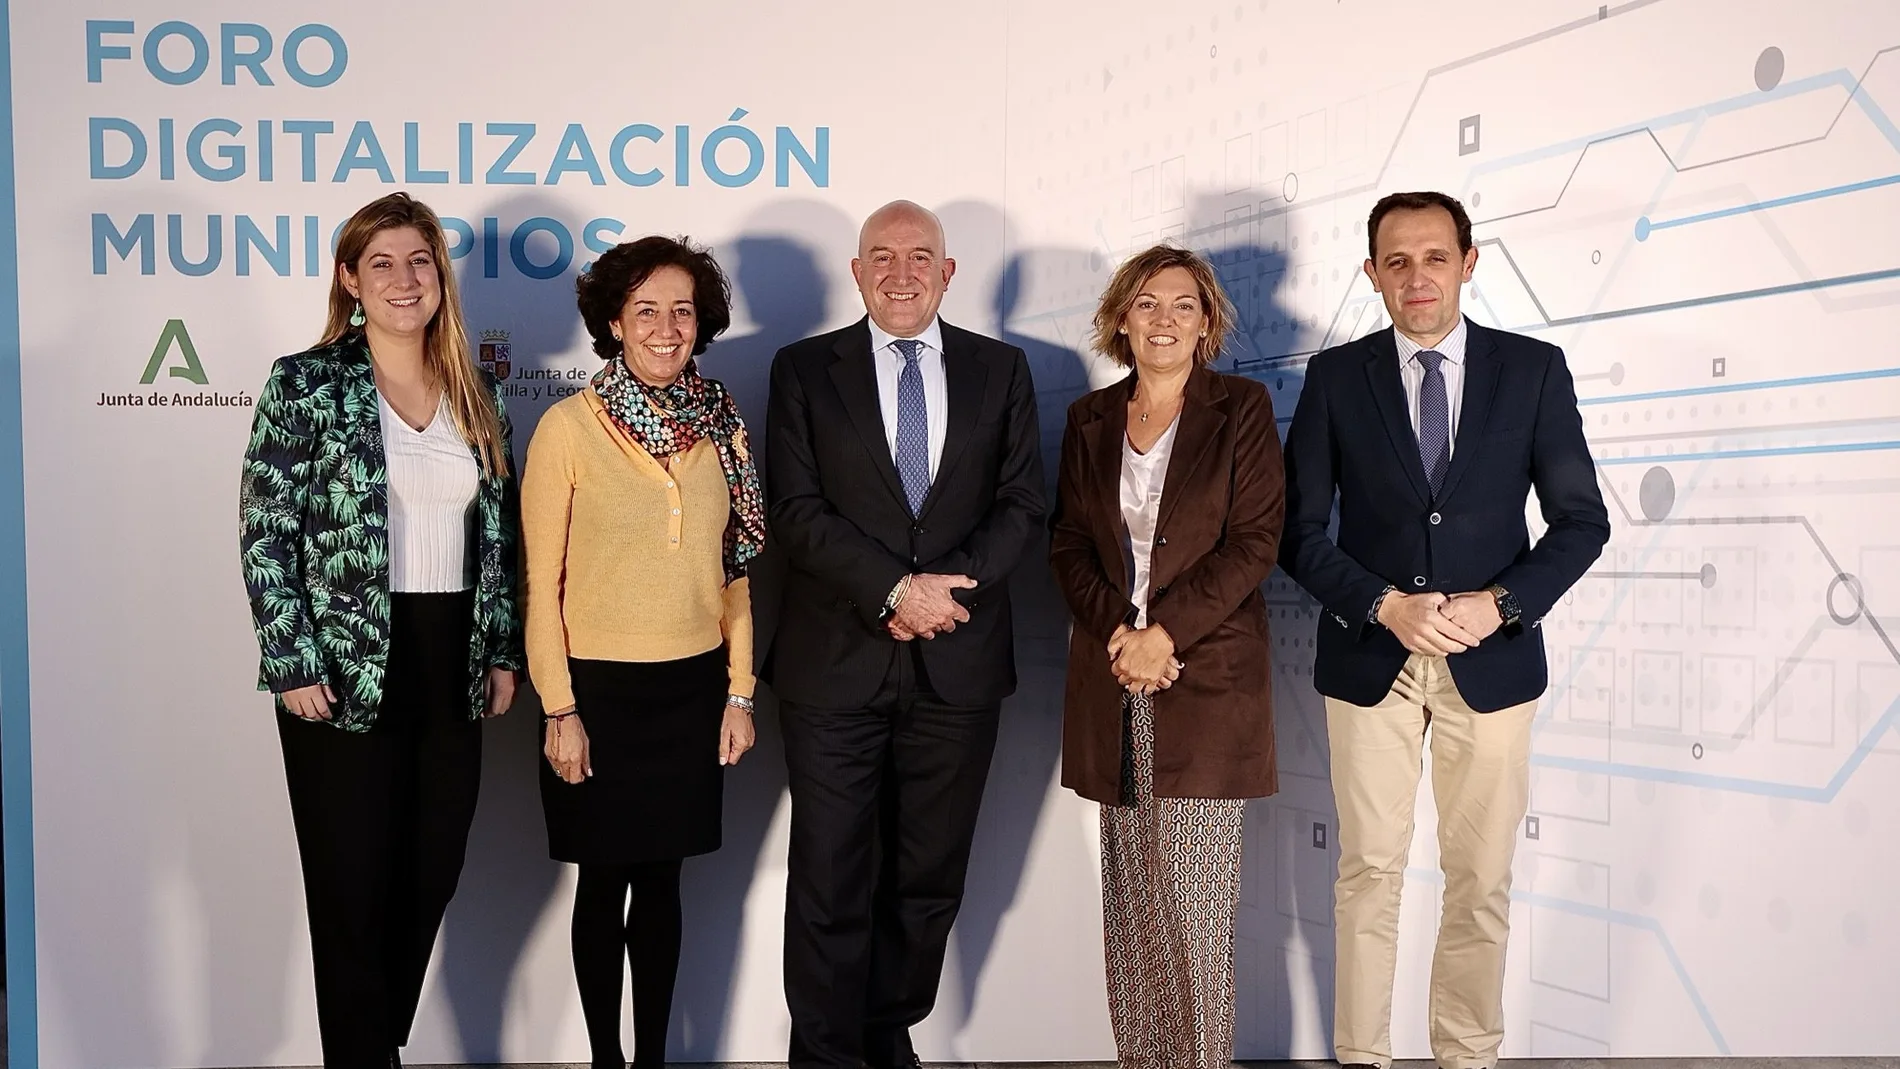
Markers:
{"x": 894, "y": 599}
{"x": 1372, "y": 615}
{"x": 1507, "y": 605}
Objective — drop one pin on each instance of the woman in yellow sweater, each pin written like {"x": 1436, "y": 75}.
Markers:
{"x": 640, "y": 508}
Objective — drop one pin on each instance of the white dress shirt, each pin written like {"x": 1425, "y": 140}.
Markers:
{"x": 890, "y": 363}
{"x": 433, "y": 479}
{"x": 1143, "y": 477}
{"x": 1412, "y": 372}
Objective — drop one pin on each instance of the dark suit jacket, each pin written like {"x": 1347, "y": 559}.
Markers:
{"x": 1215, "y": 540}
{"x": 1518, "y": 428}
{"x": 838, "y": 512}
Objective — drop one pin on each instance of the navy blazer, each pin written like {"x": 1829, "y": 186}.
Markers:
{"x": 1352, "y": 438}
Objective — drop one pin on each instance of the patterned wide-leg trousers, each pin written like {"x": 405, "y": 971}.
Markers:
{"x": 1170, "y": 889}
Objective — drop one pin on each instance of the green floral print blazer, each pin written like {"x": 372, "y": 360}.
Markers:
{"x": 314, "y": 533}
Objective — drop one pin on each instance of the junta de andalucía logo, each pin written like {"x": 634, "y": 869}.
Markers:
{"x": 174, "y": 361}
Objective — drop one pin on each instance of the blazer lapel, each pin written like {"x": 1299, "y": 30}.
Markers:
{"x": 1105, "y": 436}
{"x": 1201, "y": 422}
{"x": 966, "y": 377}
{"x": 1388, "y": 392}
{"x": 1481, "y": 385}
{"x": 363, "y": 417}
{"x": 855, "y": 377}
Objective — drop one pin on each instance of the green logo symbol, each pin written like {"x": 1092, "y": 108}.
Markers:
{"x": 175, "y": 334}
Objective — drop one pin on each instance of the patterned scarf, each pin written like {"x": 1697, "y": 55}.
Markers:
{"x": 668, "y": 420}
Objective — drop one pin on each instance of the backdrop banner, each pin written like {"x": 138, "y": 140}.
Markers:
{"x": 1695, "y": 198}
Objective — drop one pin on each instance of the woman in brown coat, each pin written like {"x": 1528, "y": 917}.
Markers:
{"x": 1168, "y": 520}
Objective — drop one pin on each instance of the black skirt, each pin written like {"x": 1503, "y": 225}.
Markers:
{"x": 657, "y": 787}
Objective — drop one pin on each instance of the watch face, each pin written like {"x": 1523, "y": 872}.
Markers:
{"x": 1507, "y": 605}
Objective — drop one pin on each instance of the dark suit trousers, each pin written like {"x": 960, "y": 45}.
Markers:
{"x": 382, "y": 821}
{"x": 884, "y": 808}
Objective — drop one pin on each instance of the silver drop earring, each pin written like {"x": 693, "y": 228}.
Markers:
{"x": 356, "y": 317}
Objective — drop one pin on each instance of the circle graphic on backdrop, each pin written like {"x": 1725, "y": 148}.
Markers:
{"x": 1769, "y": 67}
{"x": 1856, "y": 599}
{"x": 1658, "y": 493}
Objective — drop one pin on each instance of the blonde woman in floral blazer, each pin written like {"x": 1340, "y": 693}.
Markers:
{"x": 378, "y": 530}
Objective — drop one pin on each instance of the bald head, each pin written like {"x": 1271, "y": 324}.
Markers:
{"x": 901, "y": 268}
{"x": 899, "y": 212}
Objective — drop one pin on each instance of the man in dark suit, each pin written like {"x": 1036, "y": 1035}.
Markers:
{"x": 1432, "y": 435}
{"x": 905, "y": 483}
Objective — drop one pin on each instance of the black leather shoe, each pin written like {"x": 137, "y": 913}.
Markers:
{"x": 1360, "y": 1065}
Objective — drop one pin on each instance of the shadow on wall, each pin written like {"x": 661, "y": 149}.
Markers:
{"x": 1046, "y": 298}
{"x": 782, "y": 269}
{"x": 134, "y": 881}
{"x": 786, "y": 262}
{"x": 1284, "y": 945}
{"x": 509, "y": 881}
{"x": 1024, "y": 771}
{"x": 790, "y": 271}
{"x": 789, "y": 267}
{"x": 199, "y": 857}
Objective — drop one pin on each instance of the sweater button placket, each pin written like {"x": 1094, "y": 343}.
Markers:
{"x": 673, "y": 523}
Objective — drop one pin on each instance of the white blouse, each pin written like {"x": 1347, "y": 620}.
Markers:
{"x": 433, "y": 479}
{"x": 1143, "y": 477}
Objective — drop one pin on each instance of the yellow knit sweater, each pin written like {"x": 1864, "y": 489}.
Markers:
{"x": 624, "y": 554}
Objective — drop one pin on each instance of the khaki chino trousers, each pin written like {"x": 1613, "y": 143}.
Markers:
{"x": 1481, "y": 779}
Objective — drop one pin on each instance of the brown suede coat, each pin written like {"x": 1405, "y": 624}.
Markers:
{"x": 1216, "y": 542}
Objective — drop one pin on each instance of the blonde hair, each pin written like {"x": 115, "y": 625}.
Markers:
{"x": 1125, "y": 286}
{"x": 445, "y": 350}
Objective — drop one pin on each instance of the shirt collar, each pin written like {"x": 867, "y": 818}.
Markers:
{"x": 931, "y": 336}
{"x": 1451, "y": 348}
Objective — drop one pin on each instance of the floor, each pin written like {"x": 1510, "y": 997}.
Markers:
{"x": 1514, "y": 1063}
{"x": 1548, "y": 1063}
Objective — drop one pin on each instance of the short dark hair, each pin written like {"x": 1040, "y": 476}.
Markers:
{"x": 1412, "y": 202}
{"x": 604, "y": 288}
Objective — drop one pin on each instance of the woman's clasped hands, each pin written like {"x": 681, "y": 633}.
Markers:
{"x": 1143, "y": 659}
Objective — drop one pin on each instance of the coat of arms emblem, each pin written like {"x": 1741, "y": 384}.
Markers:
{"x": 495, "y": 352}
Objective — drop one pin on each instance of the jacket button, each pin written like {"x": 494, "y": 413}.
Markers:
{"x": 1161, "y": 541}
{"x": 1436, "y": 519}
{"x": 1159, "y": 591}
{"x": 1418, "y": 580}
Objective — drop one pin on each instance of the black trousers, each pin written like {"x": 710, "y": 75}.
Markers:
{"x": 884, "y": 807}
{"x": 382, "y": 821}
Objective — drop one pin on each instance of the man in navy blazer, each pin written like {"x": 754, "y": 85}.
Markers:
{"x": 1431, "y": 436}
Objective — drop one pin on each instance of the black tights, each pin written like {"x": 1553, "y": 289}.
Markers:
{"x": 647, "y": 925}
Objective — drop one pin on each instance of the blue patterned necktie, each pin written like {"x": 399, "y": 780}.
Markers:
{"x": 913, "y": 427}
{"x": 1434, "y": 420}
